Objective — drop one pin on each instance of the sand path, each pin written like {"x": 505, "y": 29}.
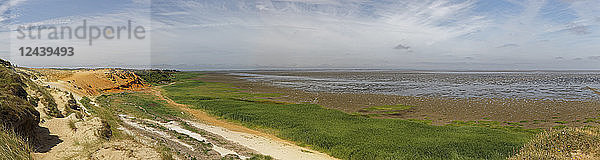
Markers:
{"x": 59, "y": 140}
{"x": 263, "y": 143}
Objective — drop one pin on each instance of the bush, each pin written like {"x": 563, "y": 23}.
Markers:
{"x": 156, "y": 77}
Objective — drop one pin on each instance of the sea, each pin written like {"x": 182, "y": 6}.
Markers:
{"x": 539, "y": 85}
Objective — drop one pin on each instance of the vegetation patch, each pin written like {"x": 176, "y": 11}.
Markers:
{"x": 348, "y": 136}
{"x": 507, "y": 126}
{"x": 108, "y": 114}
{"x": 421, "y": 121}
{"x": 260, "y": 157}
{"x": 565, "y": 143}
{"x": 142, "y": 105}
{"x": 156, "y": 77}
{"x": 561, "y": 122}
{"x": 17, "y": 114}
{"x": 147, "y": 106}
{"x": 13, "y": 147}
{"x": 72, "y": 125}
{"x": 592, "y": 120}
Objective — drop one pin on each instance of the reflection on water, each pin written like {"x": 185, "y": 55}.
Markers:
{"x": 529, "y": 85}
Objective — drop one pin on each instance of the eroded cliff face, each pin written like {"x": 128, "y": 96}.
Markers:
{"x": 43, "y": 118}
{"x": 17, "y": 110}
{"x": 92, "y": 82}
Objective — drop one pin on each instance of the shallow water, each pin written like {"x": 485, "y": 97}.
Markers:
{"x": 523, "y": 85}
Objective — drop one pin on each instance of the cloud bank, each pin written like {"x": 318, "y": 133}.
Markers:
{"x": 439, "y": 34}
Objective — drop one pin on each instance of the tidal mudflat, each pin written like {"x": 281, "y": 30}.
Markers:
{"x": 344, "y": 135}
{"x": 524, "y": 99}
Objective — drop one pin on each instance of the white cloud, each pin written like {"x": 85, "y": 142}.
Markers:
{"x": 5, "y": 6}
{"x": 308, "y": 33}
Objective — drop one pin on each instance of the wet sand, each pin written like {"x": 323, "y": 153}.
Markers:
{"x": 529, "y": 113}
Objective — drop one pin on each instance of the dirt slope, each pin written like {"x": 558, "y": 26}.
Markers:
{"x": 76, "y": 135}
{"x": 93, "y": 82}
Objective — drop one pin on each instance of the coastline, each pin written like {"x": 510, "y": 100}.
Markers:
{"x": 524, "y": 113}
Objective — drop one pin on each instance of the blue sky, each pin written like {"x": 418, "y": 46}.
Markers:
{"x": 419, "y": 34}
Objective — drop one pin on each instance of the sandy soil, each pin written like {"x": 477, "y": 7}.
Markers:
{"x": 533, "y": 113}
{"x": 64, "y": 142}
{"x": 263, "y": 143}
{"x": 195, "y": 148}
{"x": 138, "y": 128}
{"x": 88, "y": 82}
{"x": 58, "y": 139}
{"x": 125, "y": 150}
{"x": 275, "y": 148}
{"x": 222, "y": 151}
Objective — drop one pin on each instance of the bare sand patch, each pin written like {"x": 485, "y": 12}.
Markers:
{"x": 263, "y": 143}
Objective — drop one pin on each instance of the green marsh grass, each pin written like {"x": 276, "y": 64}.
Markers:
{"x": 146, "y": 106}
{"x": 344, "y": 135}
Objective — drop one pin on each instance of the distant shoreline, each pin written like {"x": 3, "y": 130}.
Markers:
{"x": 441, "y": 111}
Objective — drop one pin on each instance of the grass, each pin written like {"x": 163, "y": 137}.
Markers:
{"x": 559, "y": 127}
{"x": 420, "y": 121}
{"x": 561, "y": 122}
{"x": 142, "y": 105}
{"x": 108, "y": 114}
{"x": 165, "y": 152}
{"x": 51, "y": 108}
{"x": 188, "y": 127}
{"x": 155, "y": 77}
{"x": 592, "y": 120}
{"x": 112, "y": 105}
{"x": 17, "y": 114}
{"x": 260, "y": 157}
{"x": 72, "y": 125}
{"x": 12, "y": 147}
{"x": 507, "y": 126}
{"x": 146, "y": 106}
{"x": 86, "y": 102}
{"x": 13, "y": 97}
{"x": 347, "y": 136}
{"x": 565, "y": 143}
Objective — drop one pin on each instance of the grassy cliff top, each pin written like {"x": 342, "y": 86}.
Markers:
{"x": 12, "y": 93}
{"x": 16, "y": 112}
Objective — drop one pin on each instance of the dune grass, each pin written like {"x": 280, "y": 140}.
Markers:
{"x": 12, "y": 147}
{"x": 563, "y": 144}
{"x": 343, "y": 135}
{"x": 13, "y": 97}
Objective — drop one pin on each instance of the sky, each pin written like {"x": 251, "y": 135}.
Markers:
{"x": 377, "y": 34}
